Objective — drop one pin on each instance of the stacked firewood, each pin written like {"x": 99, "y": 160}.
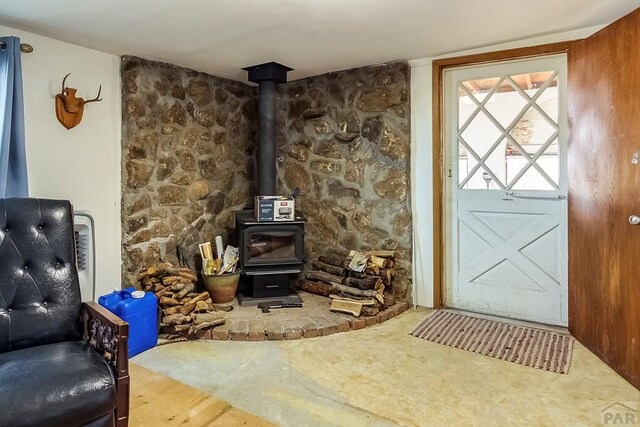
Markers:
{"x": 184, "y": 311}
{"x": 357, "y": 293}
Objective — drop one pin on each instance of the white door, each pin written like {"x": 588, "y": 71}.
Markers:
{"x": 506, "y": 209}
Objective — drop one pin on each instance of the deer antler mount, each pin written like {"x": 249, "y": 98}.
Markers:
{"x": 69, "y": 109}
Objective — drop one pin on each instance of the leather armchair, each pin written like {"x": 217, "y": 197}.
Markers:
{"x": 62, "y": 362}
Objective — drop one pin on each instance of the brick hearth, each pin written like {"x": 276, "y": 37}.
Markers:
{"x": 313, "y": 320}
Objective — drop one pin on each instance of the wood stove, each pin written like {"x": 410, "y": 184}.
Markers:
{"x": 270, "y": 252}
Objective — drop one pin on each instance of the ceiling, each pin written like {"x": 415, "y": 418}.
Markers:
{"x": 312, "y": 36}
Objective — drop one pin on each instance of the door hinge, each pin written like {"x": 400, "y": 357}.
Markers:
{"x": 449, "y": 173}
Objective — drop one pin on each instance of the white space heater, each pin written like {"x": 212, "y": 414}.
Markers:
{"x": 86, "y": 254}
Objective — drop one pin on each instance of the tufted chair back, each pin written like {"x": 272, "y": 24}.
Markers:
{"x": 39, "y": 291}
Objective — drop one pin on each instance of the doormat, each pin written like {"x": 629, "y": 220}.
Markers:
{"x": 518, "y": 344}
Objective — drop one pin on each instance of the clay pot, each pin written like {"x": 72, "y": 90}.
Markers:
{"x": 222, "y": 288}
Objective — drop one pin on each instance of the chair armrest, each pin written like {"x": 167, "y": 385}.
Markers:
{"x": 107, "y": 334}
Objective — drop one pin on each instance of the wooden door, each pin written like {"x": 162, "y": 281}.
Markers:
{"x": 506, "y": 139}
{"x": 604, "y": 191}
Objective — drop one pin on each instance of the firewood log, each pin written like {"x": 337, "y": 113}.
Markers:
{"x": 363, "y": 301}
{"x": 387, "y": 275}
{"x": 380, "y": 262}
{"x": 212, "y": 316}
{"x": 176, "y": 319}
{"x": 171, "y": 310}
{"x": 164, "y": 292}
{"x": 187, "y": 288}
{"x": 380, "y": 254}
{"x": 338, "y": 262}
{"x": 191, "y": 304}
{"x": 157, "y": 287}
{"x": 148, "y": 281}
{"x": 162, "y": 269}
{"x": 349, "y": 307}
{"x": 168, "y": 302}
{"x": 357, "y": 274}
{"x": 170, "y": 280}
{"x": 332, "y": 269}
{"x": 317, "y": 288}
{"x": 324, "y": 277}
{"x": 369, "y": 282}
{"x": 202, "y": 306}
{"x": 178, "y": 286}
{"x": 188, "y": 275}
{"x": 180, "y": 328}
{"x": 355, "y": 291}
{"x": 372, "y": 270}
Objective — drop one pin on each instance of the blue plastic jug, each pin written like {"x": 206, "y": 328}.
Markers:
{"x": 140, "y": 310}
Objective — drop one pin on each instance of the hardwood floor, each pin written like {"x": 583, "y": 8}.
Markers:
{"x": 157, "y": 400}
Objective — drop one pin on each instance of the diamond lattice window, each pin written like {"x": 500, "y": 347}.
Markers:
{"x": 508, "y": 132}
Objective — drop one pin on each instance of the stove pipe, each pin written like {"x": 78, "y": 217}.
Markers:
{"x": 267, "y": 76}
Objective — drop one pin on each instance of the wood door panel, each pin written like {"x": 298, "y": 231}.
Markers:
{"x": 604, "y": 189}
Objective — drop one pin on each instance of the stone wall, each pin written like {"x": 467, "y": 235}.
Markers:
{"x": 344, "y": 140}
{"x": 188, "y": 158}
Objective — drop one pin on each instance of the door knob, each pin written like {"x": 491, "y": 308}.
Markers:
{"x": 634, "y": 220}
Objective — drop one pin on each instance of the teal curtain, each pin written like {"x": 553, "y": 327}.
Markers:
{"x": 13, "y": 160}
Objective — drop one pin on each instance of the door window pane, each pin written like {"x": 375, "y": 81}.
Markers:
{"x": 522, "y": 112}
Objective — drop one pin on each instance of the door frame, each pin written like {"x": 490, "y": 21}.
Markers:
{"x": 438, "y": 68}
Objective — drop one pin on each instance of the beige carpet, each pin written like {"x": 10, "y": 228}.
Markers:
{"x": 518, "y": 344}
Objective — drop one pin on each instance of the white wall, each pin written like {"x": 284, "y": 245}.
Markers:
{"x": 421, "y": 156}
{"x": 81, "y": 164}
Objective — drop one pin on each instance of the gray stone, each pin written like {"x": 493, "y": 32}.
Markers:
{"x": 394, "y": 144}
{"x": 200, "y": 92}
{"x": 379, "y": 100}
{"x": 221, "y": 96}
{"x": 166, "y": 166}
{"x": 138, "y": 174}
{"x": 394, "y": 187}
{"x": 182, "y": 178}
{"x": 206, "y": 117}
{"x": 298, "y": 152}
{"x": 338, "y": 189}
{"x": 322, "y": 127}
{"x": 208, "y": 168}
{"x": 135, "y": 223}
{"x": 139, "y": 204}
{"x": 187, "y": 160}
{"x": 133, "y": 109}
{"x": 325, "y": 166}
{"x": 178, "y": 92}
{"x": 177, "y": 114}
{"x": 314, "y": 113}
{"x": 172, "y": 195}
{"x": 372, "y": 128}
{"x": 346, "y": 137}
{"x": 297, "y": 107}
{"x": 199, "y": 190}
{"x": 295, "y": 175}
{"x": 354, "y": 171}
{"x": 215, "y": 202}
{"x": 330, "y": 149}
